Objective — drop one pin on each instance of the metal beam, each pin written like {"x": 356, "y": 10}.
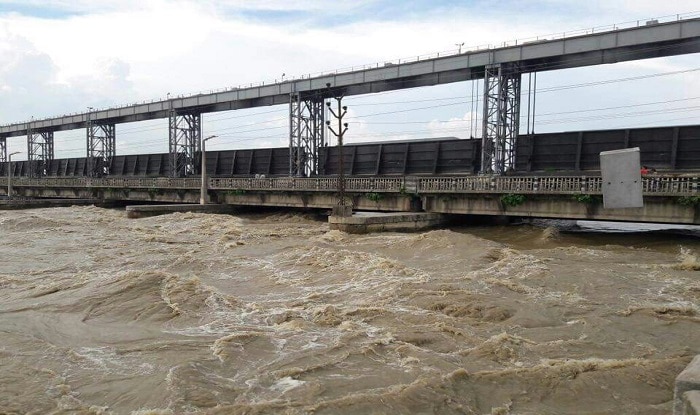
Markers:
{"x": 101, "y": 148}
{"x": 306, "y": 134}
{"x": 39, "y": 151}
{"x": 185, "y": 136}
{"x": 501, "y": 121}
{"x": 3, "y": 150}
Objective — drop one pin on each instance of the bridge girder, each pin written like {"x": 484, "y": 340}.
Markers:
{"x": 101, "y": 147}
{"x": 39, "y": 151}
{"x": 306, "y": 134}
{"x": 185, "y": 137}
{"x": 501, "y": 119}
{"x": 669, "y": 38}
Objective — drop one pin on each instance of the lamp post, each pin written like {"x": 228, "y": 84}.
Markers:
{"x": 459, "y": 47}
{"x": 90, "y": 138}
{"x": 203, "y": 190}
{"x": 341, "y": 209}
{"x": 9, "y": 174}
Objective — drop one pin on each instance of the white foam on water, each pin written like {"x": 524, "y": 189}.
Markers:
{"x": 286, "y": 384}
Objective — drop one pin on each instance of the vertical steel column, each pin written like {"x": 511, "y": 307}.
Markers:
{"x": 39, "y": 151}
{"x": 501, "y": 118}
{"x": 101, "y": 147}
{"x": 306, "y": 134}
{"x": 185, "y": 136}
{"x": 3, "y": 150}
{"x": 294, "y": 133}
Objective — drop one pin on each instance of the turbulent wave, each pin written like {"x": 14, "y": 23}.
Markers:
{"x": 273, "y": 313}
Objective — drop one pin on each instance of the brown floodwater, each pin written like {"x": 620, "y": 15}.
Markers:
{"x": 273, "y": 313}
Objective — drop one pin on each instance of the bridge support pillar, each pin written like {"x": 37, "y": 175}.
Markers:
{"x": 39, "y": 151}
{"x": 3, "y": 150}
{"x": 185, "y": 138}
{"x": 101, "y": 141}
{"x": 306, "y": 134}
{"x": 501, "y": 119}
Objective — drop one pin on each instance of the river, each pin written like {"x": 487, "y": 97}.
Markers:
{"x": 274, "y": 313}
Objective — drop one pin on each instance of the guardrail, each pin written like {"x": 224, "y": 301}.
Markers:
{"x": 352, "y": 184}
{"x": 110, "y": 182}
{"x": 510, "y": 185}
{"x": 651, "y": 185}
{"x": 659, "y": 185}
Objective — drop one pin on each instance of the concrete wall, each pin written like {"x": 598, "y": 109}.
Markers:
{"x": 656, "y": 209}
{"x": 686, "y": 394}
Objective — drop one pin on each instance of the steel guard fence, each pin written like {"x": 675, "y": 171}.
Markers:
{"x": 659, "y": 185}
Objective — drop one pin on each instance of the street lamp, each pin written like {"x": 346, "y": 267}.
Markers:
{"x": 459, "y": 47}
{"x": 9, "y": 174}
{"x": 203, "y": 190}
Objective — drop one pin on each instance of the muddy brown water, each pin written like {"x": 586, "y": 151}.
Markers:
{"x": 220, "y": 314}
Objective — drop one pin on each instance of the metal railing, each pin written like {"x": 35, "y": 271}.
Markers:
{"x": 547, "y": 184}
{"x": 660, "y": 185}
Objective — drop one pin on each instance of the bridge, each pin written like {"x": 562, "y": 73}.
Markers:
{"x": 500, "y": 67}
{"x": 667, "y": 198}
{"x": 551, "y": 175}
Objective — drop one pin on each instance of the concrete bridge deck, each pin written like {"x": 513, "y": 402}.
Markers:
{"x": 667, "y": 198}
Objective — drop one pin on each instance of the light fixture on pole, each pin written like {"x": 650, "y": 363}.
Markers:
{"x": 9, "y": 174}
{"x": 90, "y": 143}
{"x": 203, "y": 197}
{"x": 341, "y": 209}
{"x": 459, "y": 47}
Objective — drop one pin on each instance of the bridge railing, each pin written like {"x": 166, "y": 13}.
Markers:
{"x": 671, "y": 185}
{"x": 323, "y": 184}
{"x": 109, "y": 182}
{"x": 484, "y": 184}
{"x": 659, "y": 185}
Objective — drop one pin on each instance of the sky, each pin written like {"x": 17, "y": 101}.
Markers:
{"x": 63, "y": 56}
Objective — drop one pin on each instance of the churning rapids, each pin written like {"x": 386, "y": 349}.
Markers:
{"x": 273, "y": 313}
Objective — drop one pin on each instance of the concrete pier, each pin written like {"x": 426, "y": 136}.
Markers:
{"x": 142, "y": 211}
{"x": 686, "y": 395}
{"x": 364, "y": 222}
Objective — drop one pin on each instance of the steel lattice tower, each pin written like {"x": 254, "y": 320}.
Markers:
{"x": 39, "y": 151}
{"x": 3, "y": 150}
{"x": 185, "y": 136}
{"x": 101, "y": 147}
{"x": 501, "y": 118}
{"x": 306, "y": 134}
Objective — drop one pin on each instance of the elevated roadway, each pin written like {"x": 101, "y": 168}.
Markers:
{"x": 650, "y": 40}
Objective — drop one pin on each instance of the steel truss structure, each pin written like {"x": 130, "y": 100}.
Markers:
{"x": 39, "y": 151}
{"x": 185, "y": 139}
{"x": 306, "y": 134}
{"x": 501, "y": 118}
{"x": 101, "y": 147}
{"x": 3, "y": 150}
